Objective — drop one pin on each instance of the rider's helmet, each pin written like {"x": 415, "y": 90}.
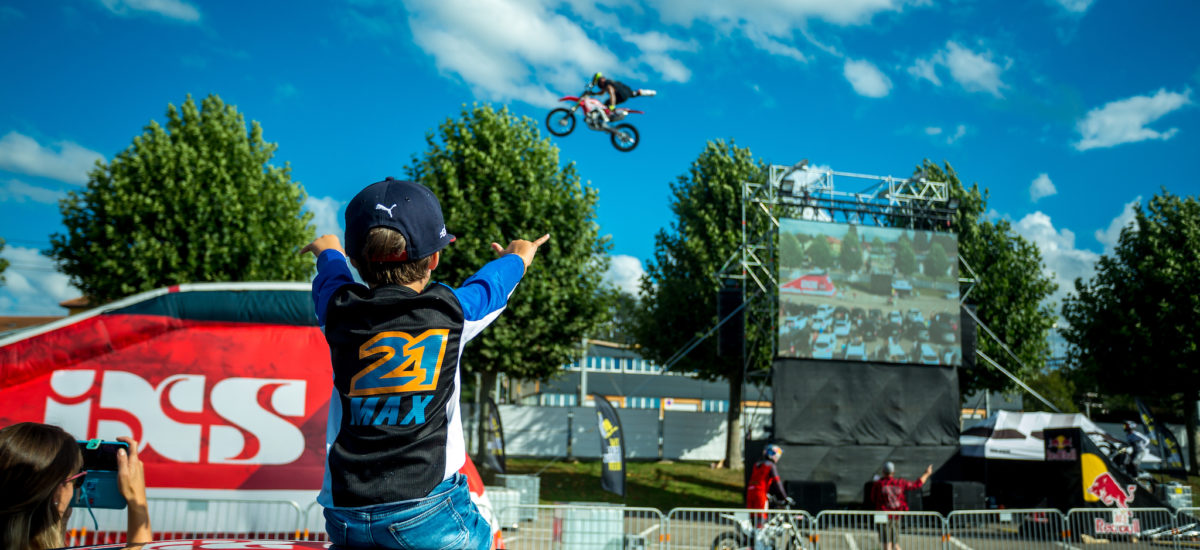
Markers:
{"x": 597, "y": 78}
{"x": 773, "y": 452}
{"x": 1130, "y": 425}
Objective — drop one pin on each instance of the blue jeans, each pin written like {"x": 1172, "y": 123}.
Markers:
{"x": 446, "y": 519}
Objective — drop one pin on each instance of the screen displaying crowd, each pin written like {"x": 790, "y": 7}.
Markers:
{"x": 862, "y": 293}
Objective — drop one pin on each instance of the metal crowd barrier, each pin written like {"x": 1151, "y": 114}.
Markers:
{"x": 1002, "y": 529}
{"x": 180, "y": 518}
{"x": 588, "y": 526}
{"x": 854, "y": 530}
{"x": 1122, "y": 528}
{"x": 581, "y": 526}
{"x": 728, "y": 529}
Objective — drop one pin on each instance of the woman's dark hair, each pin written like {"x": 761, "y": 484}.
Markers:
{"x": 35, "y": 459}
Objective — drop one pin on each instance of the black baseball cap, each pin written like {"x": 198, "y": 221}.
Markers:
{"x": 407, "y": 207}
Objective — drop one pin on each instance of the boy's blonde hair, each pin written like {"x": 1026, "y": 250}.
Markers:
{"x": 383, "y": 242}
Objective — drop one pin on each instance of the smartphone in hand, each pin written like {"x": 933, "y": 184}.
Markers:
{"x": 99, "y": 488}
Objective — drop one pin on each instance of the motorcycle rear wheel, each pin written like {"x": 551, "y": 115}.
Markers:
{"x": 625, "y": 138}
{"x": 560, "y": 122}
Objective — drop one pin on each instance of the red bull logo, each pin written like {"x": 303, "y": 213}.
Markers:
{"x": 1060, "y": 448}
{"x": 1106, "y": 488}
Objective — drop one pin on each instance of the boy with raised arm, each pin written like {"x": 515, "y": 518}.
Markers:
{"x": 394, "y": 441}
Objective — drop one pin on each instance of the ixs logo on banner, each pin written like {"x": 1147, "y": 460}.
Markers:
{"x": 184, "y": 418}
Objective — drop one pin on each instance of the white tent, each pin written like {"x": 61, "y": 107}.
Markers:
{"x": 1018, "y": 436}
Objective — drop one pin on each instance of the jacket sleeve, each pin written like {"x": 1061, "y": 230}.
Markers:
{"x": 333, "y": 272}
{"x": 485, "y": 294}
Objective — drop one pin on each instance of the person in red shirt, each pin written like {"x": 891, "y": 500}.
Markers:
{"x": 889, "y": 494}
{"x": 764, "y": 480}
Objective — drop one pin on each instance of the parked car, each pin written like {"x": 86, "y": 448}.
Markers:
{"x": 915, "y": 316}
{"x": 824, "y": 311}
{"x": 841, "y": 328}
{"x": 895, "y": 317}
{"x": 925, "y": 354}
{"x": 824, "y": 346}
{"x": 855, "y": 351}
{"x": 943, "y": 328}
{"x": 895, "y": 353}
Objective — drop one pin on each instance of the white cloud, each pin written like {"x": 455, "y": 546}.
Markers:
{"x": 1063, "y": 261}
{"x": 974, "y": 71}
{"x": 1041, "y": 187}
{"x": 33, "y": 285}
{"x": 932, "y": 130}
{"x": 327, "y": 215}
{"x": 925, "y": 69}
{"x": 171, "y": 9}
{"x": 510, "y": 49}
{"x": 1110, "y": 236}
{"x": 1125, "y": 120}
{"x": 960, "y": 131}
{"x": 866, "y": 78}
{"x": 1074, "y": 6}
{"x": 19, "y": 191}
{"x": 625, "y": 273}
{"x": 71, "y": 163}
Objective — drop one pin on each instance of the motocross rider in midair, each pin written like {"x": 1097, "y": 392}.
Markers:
{"x": 618, "y": 92}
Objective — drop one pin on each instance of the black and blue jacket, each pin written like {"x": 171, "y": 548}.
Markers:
{"x": 394, "y": 428}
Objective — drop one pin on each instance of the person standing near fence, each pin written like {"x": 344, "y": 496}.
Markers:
{"x": 889, "y": 494}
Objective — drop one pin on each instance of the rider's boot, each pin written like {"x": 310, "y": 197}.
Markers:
{"x": 644, "y": 93}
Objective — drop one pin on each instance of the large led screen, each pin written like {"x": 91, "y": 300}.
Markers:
{"x": 860, "y": 293}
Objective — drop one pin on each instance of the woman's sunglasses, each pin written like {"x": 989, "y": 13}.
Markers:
{"x": 77, "y": 479}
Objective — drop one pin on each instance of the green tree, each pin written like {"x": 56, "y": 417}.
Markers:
{"x": 1132, "y": 327}
{"x": 820, "y": 252}
{"x": 3, "y": 263}
{"x": 937, "y": 262}
{"x": 498, "y": 180}
{"x": 791, "y": 252}
{"x": 679, "y": 291}
{"x": 193, "y": 201}
{"x": 906, "y": 259}
{"x": 850, "y": 256}
{"x": 1012, "y": 289}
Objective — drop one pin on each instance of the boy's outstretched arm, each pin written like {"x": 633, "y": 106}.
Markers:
{"x": 525, "y": 249}
{"x": 332, "y": 271}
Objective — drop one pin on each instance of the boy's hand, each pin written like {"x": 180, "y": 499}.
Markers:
{"x": 525, "y": 249}
{"x": 323, "y": 243}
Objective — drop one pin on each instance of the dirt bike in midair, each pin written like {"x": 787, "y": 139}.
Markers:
{"x": 597, "y": 116}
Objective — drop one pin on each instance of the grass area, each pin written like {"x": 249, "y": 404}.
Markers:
{"x": 661, "y": 485}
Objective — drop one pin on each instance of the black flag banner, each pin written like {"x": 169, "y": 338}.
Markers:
{"x": 495, "y": 438}
{"x": 612, "y": 447}
{"x": 1163, "y": 442}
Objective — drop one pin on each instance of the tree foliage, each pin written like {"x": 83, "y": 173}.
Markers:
{"x": 498, "y": 180}
{"x": 1011, "y": 290}
{"x": 679, "y": 291}
{"x": 906, "y": 259}
{"x": 3, "y": 263}
{"x": 850, "y": 256}
{"x": 193, "y": 201}
{"x": 820, "y": 253}
{"x": 937, "y": 262}
{"x": 1132, "y": 328}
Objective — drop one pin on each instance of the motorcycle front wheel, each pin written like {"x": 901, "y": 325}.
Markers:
{"x": 625, "y": 137}
{"x": 728, "y": 541}
{"x": 560, "y": 122}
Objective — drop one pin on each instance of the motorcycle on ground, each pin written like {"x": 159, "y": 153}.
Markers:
{"x": 597, "y": 116}
{"x": 781, "y": 531}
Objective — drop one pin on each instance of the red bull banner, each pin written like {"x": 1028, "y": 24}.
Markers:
{"x": 224, "y": 386}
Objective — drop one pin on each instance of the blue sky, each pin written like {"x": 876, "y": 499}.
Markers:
{"x": 1069, "y": 111}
